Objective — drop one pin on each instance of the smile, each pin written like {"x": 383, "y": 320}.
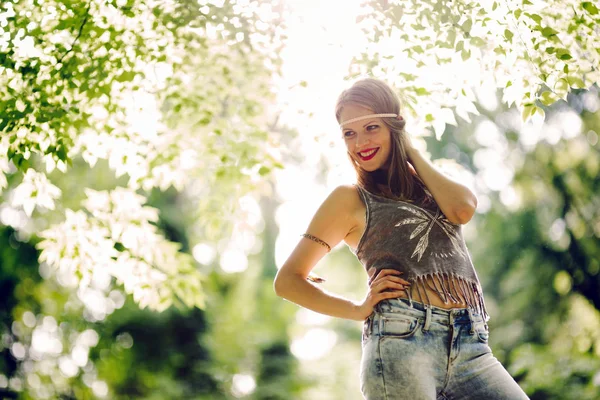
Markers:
{"x": 368, "y": 155}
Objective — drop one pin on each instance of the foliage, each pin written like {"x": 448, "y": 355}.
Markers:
{"x": 438, "y": 51}
{"x": 105, "y": 106}
{"x": 83, "y": 78}
{"x": 93, "y": 341}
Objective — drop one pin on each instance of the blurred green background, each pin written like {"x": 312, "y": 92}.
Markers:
{"x": 169, "y": 295}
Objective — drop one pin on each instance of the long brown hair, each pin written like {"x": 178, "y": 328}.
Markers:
{"x": 402, "y": 181}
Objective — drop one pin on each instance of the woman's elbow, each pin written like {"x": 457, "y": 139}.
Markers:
{"x": 466, "y": 212}
{"x": 280, "y": 284}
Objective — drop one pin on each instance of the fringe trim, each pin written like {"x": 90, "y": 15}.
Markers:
{"x": 451, "y": 288}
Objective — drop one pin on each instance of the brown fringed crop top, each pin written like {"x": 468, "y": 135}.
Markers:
{"x": 420, "y": 241}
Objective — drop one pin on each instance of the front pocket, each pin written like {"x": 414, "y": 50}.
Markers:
{"x": 401, "y": 327}
{"x": 483, "y": 336}
{"x": 482, "y": 331}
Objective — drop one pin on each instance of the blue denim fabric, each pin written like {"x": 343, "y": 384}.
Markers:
{"x": 422, "y": 352}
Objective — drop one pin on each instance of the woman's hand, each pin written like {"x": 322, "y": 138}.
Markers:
{"x": 385, "y": 279}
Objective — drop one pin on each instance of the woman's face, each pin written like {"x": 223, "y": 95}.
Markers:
{"x": 365, "y": 135}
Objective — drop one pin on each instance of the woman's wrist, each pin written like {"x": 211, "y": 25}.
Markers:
{"x": 358, "y": 312}
{"x": 355, "y": 311}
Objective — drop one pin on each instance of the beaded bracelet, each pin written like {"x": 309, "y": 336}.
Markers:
{"x": 314, "y": 277}
{"x": 316, "y": 239}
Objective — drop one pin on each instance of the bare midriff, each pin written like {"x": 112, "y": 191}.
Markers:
{"x": 434, "y": 297}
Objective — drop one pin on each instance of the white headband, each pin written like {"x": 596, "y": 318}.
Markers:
{"x": 365, "y": 117}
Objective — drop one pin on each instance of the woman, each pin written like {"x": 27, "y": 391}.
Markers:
{"x": 425, "y": 332}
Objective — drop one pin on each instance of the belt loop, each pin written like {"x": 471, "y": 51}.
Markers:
{"x": 472, "y": 331}
{"x": 427, "y": 318}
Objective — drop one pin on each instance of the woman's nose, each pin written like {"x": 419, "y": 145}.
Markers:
{"x": 360, "y": 139}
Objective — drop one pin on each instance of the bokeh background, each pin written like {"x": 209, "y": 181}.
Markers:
{"x": 160, "y": 160}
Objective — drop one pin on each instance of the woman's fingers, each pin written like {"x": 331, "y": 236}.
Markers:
{"x": 374, "y": 274}
{"x": 390, "y": 274}
{"x": 387, "y": 295}
{"x": 399, "y": 280}
{"x": 387, "y": 284}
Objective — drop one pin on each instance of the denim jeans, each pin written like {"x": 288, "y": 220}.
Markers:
{"x": 423, "y": 352}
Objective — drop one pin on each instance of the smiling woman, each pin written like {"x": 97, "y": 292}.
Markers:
{"x": 402, "y": 217}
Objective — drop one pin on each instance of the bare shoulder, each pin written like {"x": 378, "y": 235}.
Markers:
{"x": 345, "y": 202}
{"x": 348, "y": 207}
{"x": 344, "y": 194}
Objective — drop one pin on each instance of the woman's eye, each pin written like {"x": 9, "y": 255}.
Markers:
{"x": 349, "y": 133}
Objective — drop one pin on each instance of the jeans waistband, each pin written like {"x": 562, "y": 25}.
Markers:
{"x": 437, "y": 314}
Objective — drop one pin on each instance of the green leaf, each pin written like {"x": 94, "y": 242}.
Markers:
{"x": 126, "y": 76}
{"x": 528, "y": 111}
{"x": 17, "y": 159}
{"x": 548, "y": 98}
{"x": 535, "y": 17}
{"x": 548, "y": 32}
{"x": 264, "y": 170}
{"x": 466, "y": 26}
{"x": 576, "y": 82}
{"x": 477, "y": 41}
{"x": 518, "y": 12}
{"x": 62, "y": 153}
{"x": 508, "y": 34}
{"x": 408, "y": 77}
{"x": 561, "y": 88}
{"x": 4, "y": 124}
{"x": 204, "y": 121}
{"x": 418, "y": 49}
{"x": 563, "y": 54}
{"x": 589, "y": 7}
{"x": 417, "y": 27}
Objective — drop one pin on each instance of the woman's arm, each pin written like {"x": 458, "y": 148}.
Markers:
{"x": 331, "y": 223}
{"x": 457, "y": 202}
{"x": 300, "y": 291}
